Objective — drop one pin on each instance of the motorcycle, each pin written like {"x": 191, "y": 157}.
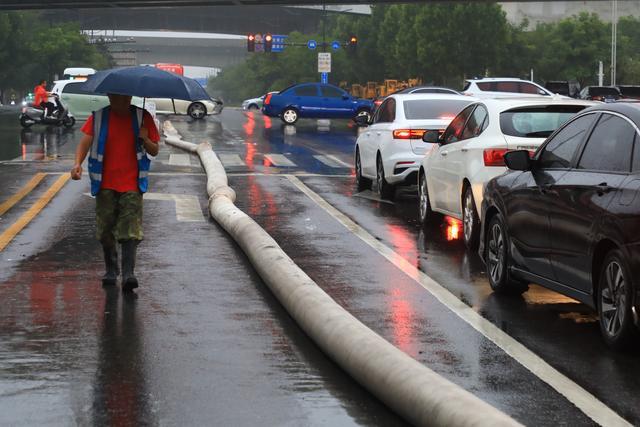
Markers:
{"x": 61, "y": 116}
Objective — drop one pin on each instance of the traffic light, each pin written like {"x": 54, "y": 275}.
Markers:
{"x": 353, "y": 42}
{"x": 268, "y": 42}
{"x": 251, "y": 43}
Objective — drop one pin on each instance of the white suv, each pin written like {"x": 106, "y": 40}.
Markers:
{"x": 500, "y": 87}
{"x": 454, "y": 172}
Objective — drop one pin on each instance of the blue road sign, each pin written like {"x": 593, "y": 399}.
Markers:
{"x": 324, "y": 78}
{"x": 335, "y": 45}
{"x": 278, "y": 44}
{"x": 312, "y": 44}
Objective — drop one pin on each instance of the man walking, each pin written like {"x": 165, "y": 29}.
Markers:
{"x": 118, "y": 138}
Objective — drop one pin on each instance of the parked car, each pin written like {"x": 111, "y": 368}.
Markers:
{"x": 254, "y": 103}
{"x": 390, "y": 149}
{"x": 82, "y": 103}
{"x": 471, "y": 150}
{"x": 314, "y": 100}
{"x": 494, "y": 87}
{"x": 564, "y": 87}
{"x": 568, "y": 218}
{"x": 417, "y": 90}
{"x": 629, "y": 91}
{"x": 600, "y": 93}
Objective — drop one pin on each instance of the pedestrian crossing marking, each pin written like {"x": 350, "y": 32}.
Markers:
{"x": 331, "y": 161}
{"x": 231, "y": 160}
{"x": 29, "y": 186}
{"x": 279, "y": 160}
{"x": 7, "y": 236}
{"x": 180, "y": 159}
{"x": 187, "y": 206}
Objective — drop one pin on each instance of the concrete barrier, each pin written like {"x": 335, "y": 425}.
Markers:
{"x": 411, "y": 389}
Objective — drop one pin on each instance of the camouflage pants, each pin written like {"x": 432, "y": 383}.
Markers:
{"x": 118, "y": 216}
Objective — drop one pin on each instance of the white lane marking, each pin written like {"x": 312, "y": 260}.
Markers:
{"x": 585, "y": 401}
{"x": 180, "y": 159}
{"x": 279, "y": 160}
{"x": 187, "y": 206}
{"x": 231, "y": 160}
{"x": 331, "y": 161}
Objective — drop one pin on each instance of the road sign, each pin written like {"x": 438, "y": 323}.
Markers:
{"x": 324, "y": 62}
{"x": 335, "y": 45}
{"x": 312, "y": 44}
{"x": 324, "y": 78}
{"x": 278, "y": 43}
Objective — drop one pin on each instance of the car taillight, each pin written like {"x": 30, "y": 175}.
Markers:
{"x": 494, "y": 156}
{"x": 267, "y": 99}
{"x": 408, "y": 133}
{"x": 377, "y": 102}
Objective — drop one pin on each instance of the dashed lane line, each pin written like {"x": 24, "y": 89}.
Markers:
{"x": 331, "y": 161}
{"x": 7, "y": 236}
{"x": 231, "y": 160}
{"x": 179, "y": 159}
{"x": 581, "y": 398}
{"x": 279, "y": 160}
{"x": 29, "y": 186}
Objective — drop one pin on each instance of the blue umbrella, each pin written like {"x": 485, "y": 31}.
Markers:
{"x": 145, "y": 82}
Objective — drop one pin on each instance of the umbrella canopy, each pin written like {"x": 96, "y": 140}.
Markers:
{"x": 145, "y": 82}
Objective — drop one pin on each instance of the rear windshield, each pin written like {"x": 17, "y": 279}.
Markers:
{"x": 429, "y": 109}
{"x": 603, "y": 91}
{"x": 536, "y": 122}
{"x": 633, "y": 91}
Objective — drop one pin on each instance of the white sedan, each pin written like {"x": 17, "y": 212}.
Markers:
{"x": 470, "y": 152}
{"x": 196, "y": 109}
{"x": 389, "y": 150}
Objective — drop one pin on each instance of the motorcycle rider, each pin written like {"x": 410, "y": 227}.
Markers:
{"x": 41, "y": 99}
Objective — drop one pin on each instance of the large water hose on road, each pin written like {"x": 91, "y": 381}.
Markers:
{"x": 414, "y": 391}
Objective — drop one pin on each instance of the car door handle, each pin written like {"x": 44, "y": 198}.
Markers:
{"x": 464, "y": 150}
{"x": 378, "y": 133}
{"x": 603, "y": 188}
{"x": 544, "y": 188}
{"x": 444, "y": 153}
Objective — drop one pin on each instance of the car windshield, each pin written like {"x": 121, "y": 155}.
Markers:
{"x": 603, "y": 91}
{"x": 537, "y": 121}
{"x": 433, "y": 109}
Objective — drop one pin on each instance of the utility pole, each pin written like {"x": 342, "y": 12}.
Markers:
{"x": 614, "y": 39}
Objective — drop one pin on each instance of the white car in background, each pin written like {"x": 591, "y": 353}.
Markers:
{"x": 500, "y": 87}
{"x": 389, "y": 150}
{"x": 470, "y": 152}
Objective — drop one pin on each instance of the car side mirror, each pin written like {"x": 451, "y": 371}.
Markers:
{"x": 362, "y": 121}
{"x": 518, "y": 160}
{"x": 346, "y": 97}
{"x": 541, "y": 92}
{"x": 431, "y": 136}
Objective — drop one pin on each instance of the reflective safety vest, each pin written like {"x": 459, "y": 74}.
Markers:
{"x": 96, "y": 156}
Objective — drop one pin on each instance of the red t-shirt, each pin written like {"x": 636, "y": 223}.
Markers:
{"x": 40, "y": 95}
{"x": 120, "y": 164}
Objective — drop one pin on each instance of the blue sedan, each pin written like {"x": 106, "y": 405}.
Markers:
{"x": 315, "y": 100}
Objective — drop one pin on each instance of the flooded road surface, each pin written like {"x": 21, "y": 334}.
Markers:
{"x": 204, "y": 342}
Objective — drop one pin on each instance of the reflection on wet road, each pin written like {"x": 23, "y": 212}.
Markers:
{"x": 205, "y": 342}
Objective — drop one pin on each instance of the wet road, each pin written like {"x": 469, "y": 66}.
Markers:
{"x": 206, "y": 343}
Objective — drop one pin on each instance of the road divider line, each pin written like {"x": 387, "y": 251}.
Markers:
{"x": 29, "y": 186}
{"x": 407, "y": 386}
{"x": 7, "y": 236}
{"x": 581, "y": 398}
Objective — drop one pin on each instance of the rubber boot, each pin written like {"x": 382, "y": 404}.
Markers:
{"x": 129, "y": 281}
{"x": 111, "y": 266}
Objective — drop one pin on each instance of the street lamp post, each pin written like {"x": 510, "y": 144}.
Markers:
{"x": 614, "y": 39}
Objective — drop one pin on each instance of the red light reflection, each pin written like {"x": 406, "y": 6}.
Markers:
{"x": 267, "y": 122}
{"x": 250, "y": 125}
{"x": 453, "y": 228}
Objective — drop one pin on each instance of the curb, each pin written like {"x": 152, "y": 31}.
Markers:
{"x": 412, "y": 390}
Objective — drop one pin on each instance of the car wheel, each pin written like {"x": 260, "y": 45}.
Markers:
{"x": 26, "y": 122}
{"x": 424, "y": 202}
{"x": 68, "y": 122}
{"x": 363, "y": 113}
{"x": 385, "y": 190}
{"x": 470, "y": 220}
{"x": 615, "y": 301}
{"x": 497, "y": 259}
{"x": 253, "y": 107}
{"x": 197, "y": 110}
{"x": 362, "y": 183}
{"x": 289, "y": 116}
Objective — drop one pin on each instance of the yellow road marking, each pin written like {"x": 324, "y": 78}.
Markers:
{"x": 8, "y": 204}
{"x": 34, "y": 210}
